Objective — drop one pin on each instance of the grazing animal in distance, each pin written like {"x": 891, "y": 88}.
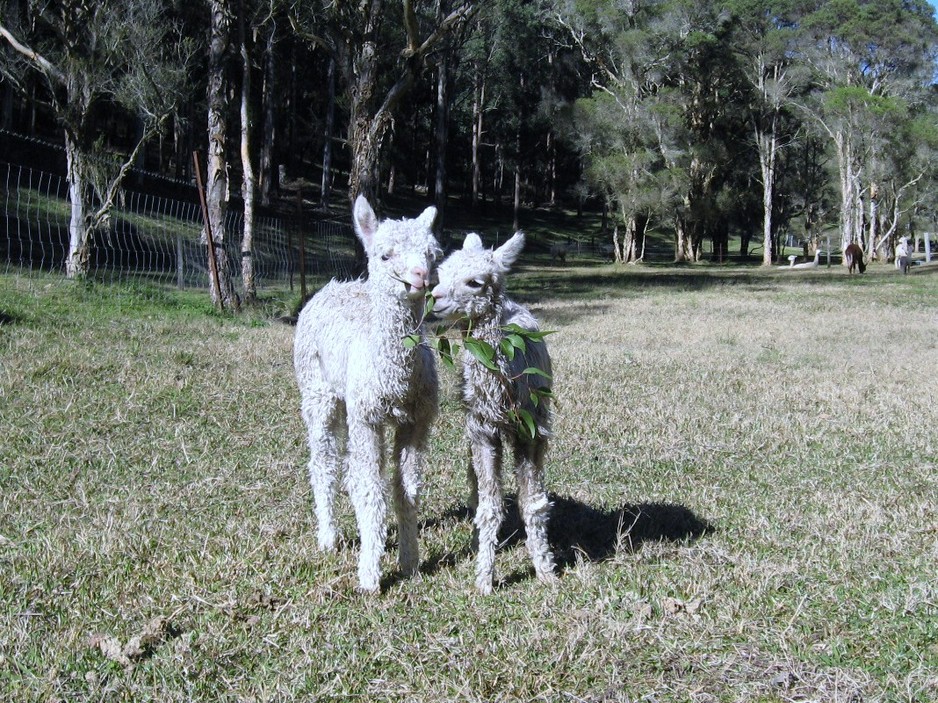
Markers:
{"x": 903, "y": 254}
{"x": 813, "y": 264}
{"x": 853, "y": 257}
{"x": 356, "y": 377}
{"x": 471, "y": 292}
{"x": 558, "y": 252}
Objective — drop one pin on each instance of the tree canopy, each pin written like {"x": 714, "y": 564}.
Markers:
{"x": 700, "y": 119}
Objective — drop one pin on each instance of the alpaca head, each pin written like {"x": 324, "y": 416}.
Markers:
{"x": 471, "y": 279}
{"x": 401, "y": 253}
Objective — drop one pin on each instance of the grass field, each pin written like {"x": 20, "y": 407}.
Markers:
{"x": 744, "y": 475}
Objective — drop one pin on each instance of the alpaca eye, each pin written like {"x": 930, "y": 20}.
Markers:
{"x": 385, "y": 257}
{"x": 475, "y": 283}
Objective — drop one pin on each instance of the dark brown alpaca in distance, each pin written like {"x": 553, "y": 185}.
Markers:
{"x": 853, "y": 256}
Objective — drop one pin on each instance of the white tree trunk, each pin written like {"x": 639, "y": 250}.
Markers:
{"x": 77, "y": 263}
{"x": 248, "y": 184}
{"x": 768, "y": 146}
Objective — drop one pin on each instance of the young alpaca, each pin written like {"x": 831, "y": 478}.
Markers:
{"x": 356, "y": 376}
{"x": 471, "y": 291}
{"x": 903, "y": 254}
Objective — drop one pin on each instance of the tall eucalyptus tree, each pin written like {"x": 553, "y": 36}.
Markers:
{"x": 370, "y": 42}
{"x": 127, "y": 55}
{"x": 872, "y": 63}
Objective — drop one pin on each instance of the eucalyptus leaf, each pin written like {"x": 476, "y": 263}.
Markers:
{"x": 534, "y": 371}
{"x": 508, "y": 349}
{"x": 516, "y": 341}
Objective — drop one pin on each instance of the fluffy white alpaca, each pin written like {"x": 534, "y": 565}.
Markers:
{"x": 471, "y": 291}
{"x": 356, "y": 377}
{"x": 903, "y": 253}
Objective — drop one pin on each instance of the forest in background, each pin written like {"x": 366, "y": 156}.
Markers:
{"x": 710, "y": 120}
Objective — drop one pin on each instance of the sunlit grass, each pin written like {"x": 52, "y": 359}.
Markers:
{"x": 743, "y": 468}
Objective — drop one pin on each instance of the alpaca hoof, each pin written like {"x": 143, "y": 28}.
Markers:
{"x": 409, "y": 570}
{"x": 548, "y": 577}
{"x": 484, "y": 587}
{"x": 369, "y": 580}
{"x": 327, "y": 539}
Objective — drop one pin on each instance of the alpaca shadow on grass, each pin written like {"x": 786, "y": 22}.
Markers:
{"x": 577, "y": 531}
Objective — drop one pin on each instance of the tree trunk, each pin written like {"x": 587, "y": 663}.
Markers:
{"x": 79, "y": 240}
{"x": 441, "y": 137}
{"x": 628, "y": 245}
{"x": 683, "y": 245}
{"x": 217, "y": 178}
{"x": 768, "y": 144}
{"x": 874, "y": 222}
{"x": 551, "y": 169}
{"x": 478, "y": 98}
{"x": 616, "y": 244}
{"x": 268, "y": 168}
{"x": 328, "y": 130}
{"x": 516, "y": 207}
{"x": 6, "y": 106}
{"x": 248, "y": 184}
{"x": 640, "y": 226}
{"x": 848, "y": 199}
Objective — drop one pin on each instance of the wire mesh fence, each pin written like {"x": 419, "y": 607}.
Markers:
{"x": 160, "y": 239}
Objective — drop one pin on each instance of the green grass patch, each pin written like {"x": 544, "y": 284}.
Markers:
{"x": 743, "y": 470}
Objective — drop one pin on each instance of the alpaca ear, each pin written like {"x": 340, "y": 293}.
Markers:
{"x": 365, "y": 221}
{"x": 427, "y": 217}
{"x": 473, "y": 241}
{"x": 509, "y": 252}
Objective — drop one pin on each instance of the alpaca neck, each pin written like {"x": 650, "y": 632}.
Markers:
{"x": 488, "y": 326}
{"x": 391, "y": 321}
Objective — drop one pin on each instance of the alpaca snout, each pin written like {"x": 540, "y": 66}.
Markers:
{"x": 417, "y": 280}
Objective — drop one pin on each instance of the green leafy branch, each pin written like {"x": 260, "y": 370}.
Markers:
{"x": 515, "y": 339}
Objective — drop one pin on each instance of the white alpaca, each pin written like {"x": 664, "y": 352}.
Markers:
{"x": 471, "y": 290}
{"x": 903, "y": 253}
{"x": 813, "y": 264}
{"x": 356, "y": 377}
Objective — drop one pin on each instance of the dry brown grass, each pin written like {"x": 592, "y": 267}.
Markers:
{"x": 745, "y": 490}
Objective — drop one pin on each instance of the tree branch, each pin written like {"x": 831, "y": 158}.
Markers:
{"x": 410, "y": 26}
{"x": 42, "y": 63}
{"x": 460, "y": 14}
{"x": 107, "y": 203}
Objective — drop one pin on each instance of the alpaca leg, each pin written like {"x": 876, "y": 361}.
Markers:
{"x": 365, "y": 483}
{"x": 486, "y": 458}
{"x": 473, "y": 484}
{"x": 409, "y": 444}
{"x": 321, "y": 413}
{"x": 534, "y": 505}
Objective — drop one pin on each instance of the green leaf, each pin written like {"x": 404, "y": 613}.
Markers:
{"x": 534, "y": 371}
{"x": 411, "y": 340}
{"x": 428, "y": 307}
{"x": 525, "y": 422}
{"x": 507, "y": 348}
{"x": 517, "y": 342}
{"x": 482, "y": 351}
{"x": 446, "y": 352}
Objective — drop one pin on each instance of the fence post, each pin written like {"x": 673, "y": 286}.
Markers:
{"x": 302, "y": 234}
{"x": 180, "y": 263}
